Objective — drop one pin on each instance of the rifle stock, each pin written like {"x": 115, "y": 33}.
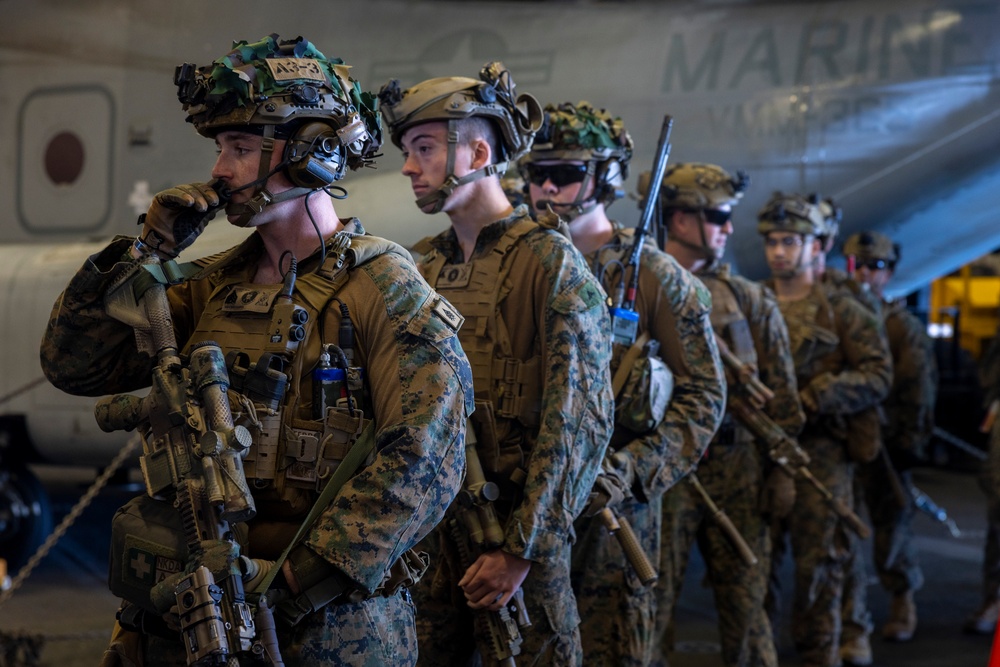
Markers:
{"x": 785, "y": 452}
{"x": 724, "y": 523}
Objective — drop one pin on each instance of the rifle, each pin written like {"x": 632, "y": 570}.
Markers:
{"x": 925, "y": 504}
{"x": 477, "y": 530}
{"x": 722, "y": 520}
{"x": 624, "y": 319}
{"x": 192, "y": 452}
{"x": 781, "y": 449}
{"x": 622, "y": 531}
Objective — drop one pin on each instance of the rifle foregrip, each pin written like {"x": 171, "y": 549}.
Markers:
{"x": 742, "y": 548}
{"x": 622, "y": 530}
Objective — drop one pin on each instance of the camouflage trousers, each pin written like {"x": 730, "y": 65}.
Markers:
{"x": 895, "y": 553}
{"x": 375, "y": 632}
{"x": 448, "y": 633}
{"x": 820, "y": 544}
{"x": 616, "y": 610}
{"x": 732, "y": 476}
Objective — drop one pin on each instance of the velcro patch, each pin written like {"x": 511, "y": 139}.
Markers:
{"x": 454, "y": 276}
{"x": 291, "y": 69}
{"x": 250, "y": 299}
{"x": 147, "y": 563}
{"x": 448, "y": 313}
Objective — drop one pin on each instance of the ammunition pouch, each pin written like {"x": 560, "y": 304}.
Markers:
{"x": 864, "y": 435}
{"x": 302, "y": 455}
{"x": 147, "y": 546}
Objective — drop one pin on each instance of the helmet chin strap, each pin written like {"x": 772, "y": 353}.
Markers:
{"x": 570, "y": 211}
{"x": 262, "y": 197}
{"x": 452, "y": 182}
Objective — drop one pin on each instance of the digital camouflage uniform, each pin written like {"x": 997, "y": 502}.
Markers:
{"x": 656, "y": 440}
{"x": 844, "y": 363}
{"x": 909, "y": 423}
{"x": 618, "y": 612}
{"x": 747, "y": 318}
{"x": 417, "y": 377}
{"x": 551, "y": 313}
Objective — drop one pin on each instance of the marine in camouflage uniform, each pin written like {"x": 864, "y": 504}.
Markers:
{"x": 983, "y": 621}
{"x": 696, "y": 202}
{"x": 535, "y": 334}
{"x": 576, "y": 166}
{"x": 885, "y": 482}
{"x": 843, "y": 366}
{"x": 415, "y": 373}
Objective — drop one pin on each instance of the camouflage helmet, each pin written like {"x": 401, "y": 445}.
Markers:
{"x": 273, "y": 87}
{"x": 582, "y": 133}
{"x": 694, "y": 185}
{"x": 872, "y": 246}
{"x": 790, "y": 213}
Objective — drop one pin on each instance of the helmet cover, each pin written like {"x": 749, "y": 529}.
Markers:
{"x": 791, "y": 213}
{"x": 872, "y": 246}
{"x": 279, "y": 82}
{"x": 695, "y": 186}
{"x": 582, "y": 133}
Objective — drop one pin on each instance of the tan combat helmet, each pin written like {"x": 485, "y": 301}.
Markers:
{"x": 790, "y": 213}
{"x": 452, "y": 99}
{"x": 285, "y": 89}
{"x": 872, "y": 247}
{"x": 697, "y": 188}
{"x": 581, "y": 133}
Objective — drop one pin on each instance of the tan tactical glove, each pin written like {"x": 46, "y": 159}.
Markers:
{"x": 778, "y": 494}
{"x": 177, "y": 216}
{"x": 612, "y": 484}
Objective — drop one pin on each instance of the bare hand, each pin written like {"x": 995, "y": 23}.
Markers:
{"x": 490, "y": 582}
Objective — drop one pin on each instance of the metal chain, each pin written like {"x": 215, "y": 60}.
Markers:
{"x": 68, "y": 520}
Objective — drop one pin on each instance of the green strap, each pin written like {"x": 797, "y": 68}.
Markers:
{"x": 350, "y": 465}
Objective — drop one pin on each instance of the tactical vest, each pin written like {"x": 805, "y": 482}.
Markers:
{"x": 289, "y": 449}
{"x": 730, "y": 324}
{"x": 508, "y": 390}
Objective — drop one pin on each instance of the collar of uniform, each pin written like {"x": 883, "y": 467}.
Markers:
{"x": 447, "y": 242}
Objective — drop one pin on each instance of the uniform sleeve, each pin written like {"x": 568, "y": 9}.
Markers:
{"x": 910, "y": 405}
{"x": 576, "y": 412}
{"x": 83, "y": 351}
{"x": 677, "y": 307}
{"x": 867, "y": 375}
{"x": 775, "y": 364}
{"x": 418, "y": 377}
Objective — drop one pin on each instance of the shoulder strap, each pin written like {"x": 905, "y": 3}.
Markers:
{"x": 618, "y": 382}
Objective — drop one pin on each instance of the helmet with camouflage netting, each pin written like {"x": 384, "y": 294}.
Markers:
{"x": 453, "y": 99}
{"x": 790, "y": 213}
{"x": 285, "y": 89}
{"x": 581, "y": 133}
{"x": 869, "y": 246}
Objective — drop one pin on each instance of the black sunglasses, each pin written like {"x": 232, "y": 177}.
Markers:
{"x": 561, "y": 175}
{"x": 871, "y": 264}
{"x": 713, "y": 216}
